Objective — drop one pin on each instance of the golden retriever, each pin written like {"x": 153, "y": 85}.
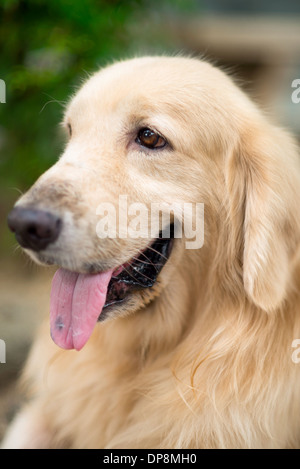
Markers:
{"x": 201, "y": 356}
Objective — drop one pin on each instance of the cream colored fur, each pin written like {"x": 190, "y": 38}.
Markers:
{"x": 205, "y": 359}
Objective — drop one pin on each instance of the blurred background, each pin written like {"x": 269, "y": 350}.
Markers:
{"x": 48, "y": 48}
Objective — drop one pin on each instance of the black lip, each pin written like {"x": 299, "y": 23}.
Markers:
{"x": 141, "y": 273}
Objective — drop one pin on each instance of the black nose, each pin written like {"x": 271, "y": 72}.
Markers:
{"x": 34, "y": 229}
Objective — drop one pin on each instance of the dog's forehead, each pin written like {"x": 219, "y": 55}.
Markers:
{"x": 147, "y": 82}
{"x": 178, "y": 92}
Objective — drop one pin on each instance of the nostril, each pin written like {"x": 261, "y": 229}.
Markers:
{"x": 43, "y": 228}
{"x": 39, "y": 231}
{"x": 34, "y": 229}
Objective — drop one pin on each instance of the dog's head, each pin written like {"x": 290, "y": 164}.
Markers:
{"x": 167, "y": 131}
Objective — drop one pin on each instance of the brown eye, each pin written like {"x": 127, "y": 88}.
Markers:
{"x": 69, "y": 129}
{"x": 150, "y": 139}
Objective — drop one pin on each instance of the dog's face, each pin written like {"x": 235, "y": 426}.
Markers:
{"x": 148, "y": 130}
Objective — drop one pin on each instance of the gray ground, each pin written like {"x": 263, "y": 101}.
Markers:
{"x": 24, "y": 301}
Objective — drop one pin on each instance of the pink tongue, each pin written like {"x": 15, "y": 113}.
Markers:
{"x": 75, "y": 305}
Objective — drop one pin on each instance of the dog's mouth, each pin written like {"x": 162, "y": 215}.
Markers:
{"x": 140, "y": 272}
{"x": 78, "y": 301}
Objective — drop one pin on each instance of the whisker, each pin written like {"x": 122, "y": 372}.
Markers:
{"x": 17, "y": 189}
{"x": 53, "y": 100}
{"x": 157, "y": 252}
{"x": 140, "y": 273}
{"x": 16, "y": 248}
{"x": 130, "y": 275}
{"x": 145, "y": 262}
{"x": 61, "y": 103}
{"x": 48, "y": 102}
{"x": 150, "y": 261}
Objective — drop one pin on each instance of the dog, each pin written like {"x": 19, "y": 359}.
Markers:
{"x": 156, "y": 345}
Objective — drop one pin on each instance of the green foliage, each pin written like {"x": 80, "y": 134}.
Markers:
{"x": 46, "y": 48}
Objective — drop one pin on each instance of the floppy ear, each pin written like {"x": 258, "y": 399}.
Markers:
{"x": 263, "y": 182}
